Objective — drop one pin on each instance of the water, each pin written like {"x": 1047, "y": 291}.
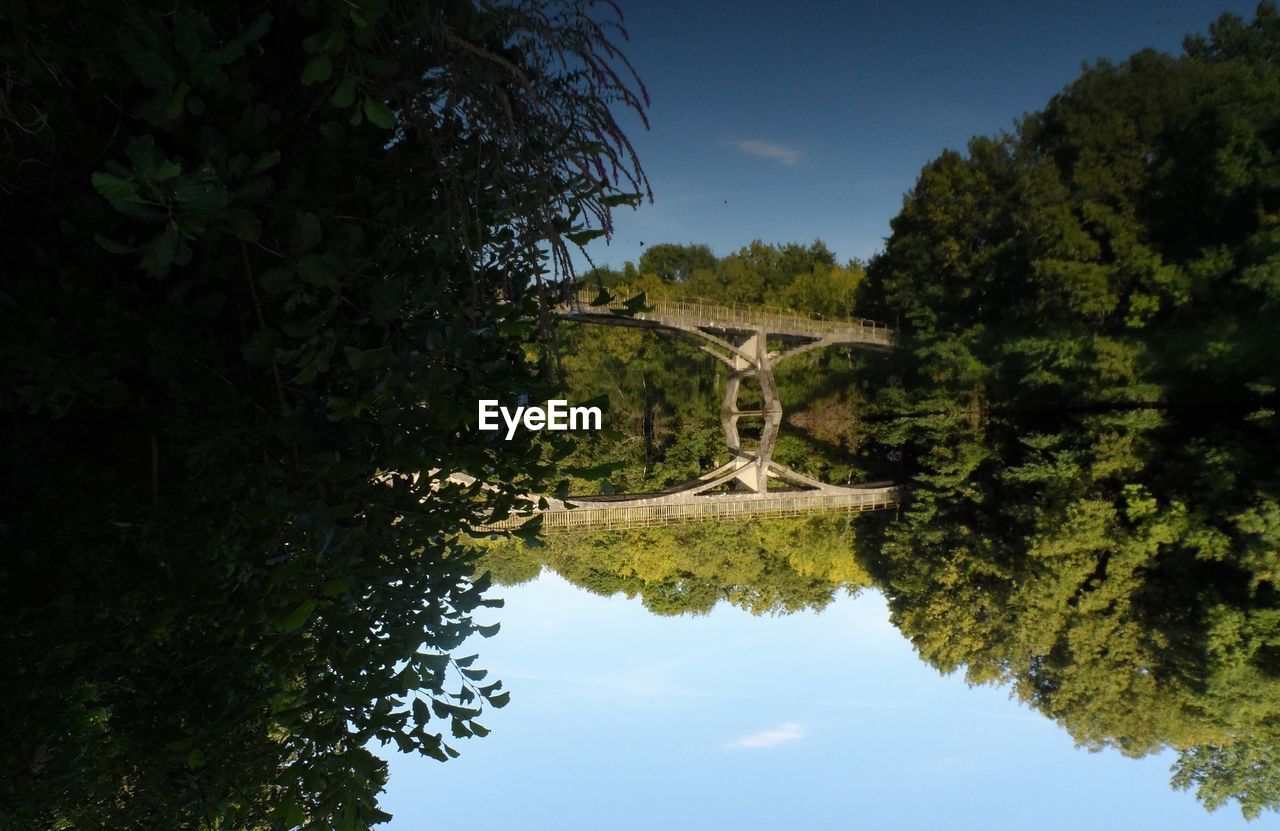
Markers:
{"x": 626, "y": 720}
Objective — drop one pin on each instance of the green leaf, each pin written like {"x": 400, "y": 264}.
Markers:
{"x": 584, "y": 236}
{"x": 265, "y": 162}
{"x": 142, "y": 153}
{"x": 290, "y": 814}
{"x": 243, "y": 223}
{"x": 306, "y": 232}
{"x": 485, "y": 632}
{"x": 432, "y": 746}
{"x": 366, "y": 359}
{"x": 115, "y": 188}
{"x": 500, "y": 700}
{"x": 111, "y": 245}
{"x": 201, "y": 194}
{"x": 379, "y": 114}
{"x": 617, "y": 199}
{"x": 299, "y": 616}
{"x": 317, "y": 70}
{"x": 161, "y": 251}
{"x": 333, "y": 588}
{"x": 165, "y": 171}
{"x": 345, "y": 95}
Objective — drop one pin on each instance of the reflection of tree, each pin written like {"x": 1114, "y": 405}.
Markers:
{"x": 765, "y": 567}
{"x": 1089, "y": 309}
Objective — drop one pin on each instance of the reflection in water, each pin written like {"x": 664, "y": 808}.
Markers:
{"x": 632, "y": 721}
{"x": 1112, "y": 561}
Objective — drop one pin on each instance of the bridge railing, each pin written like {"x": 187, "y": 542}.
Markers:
{"x": 606, "y": 517}
{"x": 747, "y": 317}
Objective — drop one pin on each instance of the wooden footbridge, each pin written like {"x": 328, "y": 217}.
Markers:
{"x": 746, "y": 486}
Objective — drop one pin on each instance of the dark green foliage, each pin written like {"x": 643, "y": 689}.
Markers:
{"x": 1088, "y": 310}
{"x": 259, "y": 264}
{"x": 676, "y": 263}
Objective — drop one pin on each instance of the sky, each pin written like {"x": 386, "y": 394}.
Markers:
{"x": 623, "y": 720}
{"x": 788, "y": 122}
{"x": 802, "y": 120}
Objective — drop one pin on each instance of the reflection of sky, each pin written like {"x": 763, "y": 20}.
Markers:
{"x": 786, "y": 121}
{"x": 623, "y": 720}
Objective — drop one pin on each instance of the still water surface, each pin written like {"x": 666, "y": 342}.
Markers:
{"x": 626, "y": 720}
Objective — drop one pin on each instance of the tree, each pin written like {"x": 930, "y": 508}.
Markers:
{"x": 1086, "y": 308}
{"x": 259, "y": 265}
{"x": 675, "y": 263}
{"x": 767, "y": 566}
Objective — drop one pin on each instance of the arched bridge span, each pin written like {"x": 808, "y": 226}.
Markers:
{"x": 739, "y": 337}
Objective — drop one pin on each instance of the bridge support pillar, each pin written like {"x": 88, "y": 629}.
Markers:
{"x": 752, "y": 359}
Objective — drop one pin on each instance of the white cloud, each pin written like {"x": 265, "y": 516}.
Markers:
{"x": 783, "y": 733}
{"x": 770, "y": 150}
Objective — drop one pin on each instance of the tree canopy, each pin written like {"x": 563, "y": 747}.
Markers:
{"x": 1088, "y": 309}
{"x": 260, "y": 262}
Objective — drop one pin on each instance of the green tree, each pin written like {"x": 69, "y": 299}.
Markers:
{"x": 1086, "y": 309}
{"x": 773, "y": 566}
{"x": 259, "y": 265}
{"x": 675, "y": 263}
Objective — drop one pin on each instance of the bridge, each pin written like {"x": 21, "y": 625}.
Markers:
{"x": 750, "y": 342}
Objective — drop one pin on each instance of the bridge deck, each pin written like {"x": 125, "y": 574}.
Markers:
{"x": 673, "y": 510}
{"x": 685, "y": 314}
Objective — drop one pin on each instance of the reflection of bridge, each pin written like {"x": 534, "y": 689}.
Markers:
{"x": 741, "y": 338}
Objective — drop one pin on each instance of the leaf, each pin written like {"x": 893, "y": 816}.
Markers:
{"x": 333, "y": 588}
{"x": 111, "y": 245}
{"x": 584, "y": 236}
{"x": 432, "y": 746}
{"x": 202, "y": 193}
{"x": 385, "y": 300}
{"x": 306, "y": 232}
{"x": 265, "y": 162}
{"x": 161, "y": 251}
{"x": 617, "y": 199}
{"x": 142, "y": 153}
{"x": 500, "y": 700}
{"x": 299, "y": 616}
{"x": 467, "y": 661}
{"x": 379, "y": 114}
{"x": 486, "y": 632}
{"x": 115, "y": 188}
{"x": 421, "y": 712}
{"x": 243, "y": 224}
{"x": 290, "y": 814}
{"x": 362, "y": 360}
{"x": 317, "y": 70}
{"x": 345, "y": 95}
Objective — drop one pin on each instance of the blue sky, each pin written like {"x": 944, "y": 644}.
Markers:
{"x": 790, "y": 121}
{"x": 623, "y": 720}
